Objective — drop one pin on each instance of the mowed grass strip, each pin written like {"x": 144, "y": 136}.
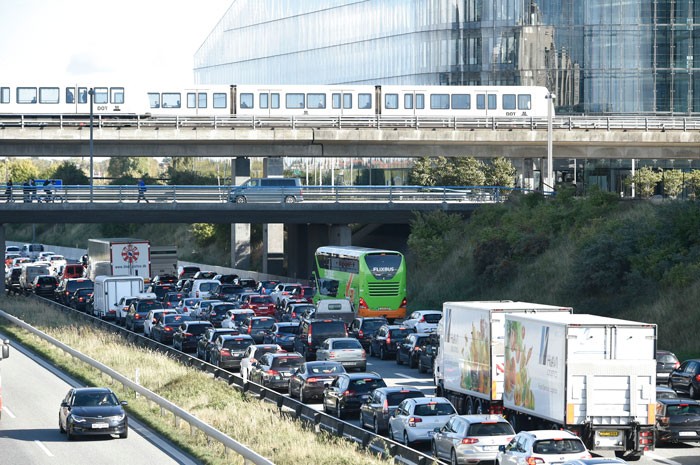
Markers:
{"x": 254, "y": 423}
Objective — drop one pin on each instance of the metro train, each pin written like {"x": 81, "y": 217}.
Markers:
{"x": 283, "y": 100}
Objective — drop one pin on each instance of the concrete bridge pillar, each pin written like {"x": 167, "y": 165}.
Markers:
{"x": 273, "y": 234}
{"x": 240, "y": 233}
{"x": 304, "y": 239}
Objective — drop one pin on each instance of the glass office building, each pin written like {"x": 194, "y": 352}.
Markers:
{"x": 598, "y": 56}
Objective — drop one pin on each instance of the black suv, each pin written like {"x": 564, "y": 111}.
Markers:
{"x": 138, "y": 310}
{"x": 376, "y": 410}
{"x": 428, "y": 352}
{"x": 409, "y": 350}
{"x": 44, "y": 285}
{"x": 363, "y": 329}
{"x": 312, "y": 333}
{"x": 349, "y": 391}
{"x": 187, "y": 335}
{"x": 387, "y": 339}
{"x": 257, "y": 327}
{"x": 67, "y": 287}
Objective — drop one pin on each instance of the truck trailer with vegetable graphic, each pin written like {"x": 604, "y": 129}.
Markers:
{"x": 593, "y": 375}
{"x": 469, "y": 367}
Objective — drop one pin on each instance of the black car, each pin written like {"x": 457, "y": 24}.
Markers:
{"x": 79, "y": 299}
{"x": 188, "y": 333}
{"x": 164, "y": 330}
{"x": 226, "y": 292}
{"x": 138, "y": 311}
{"x": 227, "y": 350}
{"x": 171, "y": 299}
{"x": 226, "y": 278}
{"x": 44, "y": 285}
{"x": 312, "y": 334}
{"x": 164, "y": 279}
{"x": 363, "y": 328}
{"x": 12, "y": 280}
{"x": 92, "y": 411}
{"x": 428, "y": 352}
{"x": 409, "y": 350}
{"x": 205, "y": 342}
{"x": 349, "y": 391}
{"x": 217, "y": 312}
{"x": 677, "y": 420}
{"x": 257, "y": 327}
{"x": 376, "y": 410}
{"x": 160, "y": 290}
{"x": 387, "y": 339}
{"x": 68, "y": 286}
{"x": 666, "y": 362}
{"x": 310, "y": 379}
{"x": 283, "y": 334}
{"x": 293, "y": 311}
{"x": 686, "y": 378}
{"x": 274, "y": 369}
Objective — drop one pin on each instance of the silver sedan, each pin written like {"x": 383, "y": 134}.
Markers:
{"x": 346, "y": 350}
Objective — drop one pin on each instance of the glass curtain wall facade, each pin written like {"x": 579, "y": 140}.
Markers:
{"x": 598, "y": 56}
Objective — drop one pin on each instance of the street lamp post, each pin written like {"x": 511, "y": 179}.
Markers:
{"x": 550, "y": 164}
{"x": 91, "y": 92}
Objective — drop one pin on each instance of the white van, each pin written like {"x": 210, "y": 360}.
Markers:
{"x": 202, "y": 288}
{"x": 32, "y": 250}
{"x": 29, "y": 272}
{"x": 287, "y": 190}
{"x": 337, "y": 309}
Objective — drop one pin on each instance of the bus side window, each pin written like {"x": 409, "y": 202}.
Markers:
{"x": 328, "y": 287}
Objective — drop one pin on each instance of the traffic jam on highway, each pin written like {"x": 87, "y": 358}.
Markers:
{"x": 504, "y": 382}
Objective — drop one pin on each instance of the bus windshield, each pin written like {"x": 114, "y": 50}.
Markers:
{"x": 383, "y": 266}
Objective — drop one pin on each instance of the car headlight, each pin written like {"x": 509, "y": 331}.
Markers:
{"x": 77, "y": 419}
{"x": 119, "y": 417}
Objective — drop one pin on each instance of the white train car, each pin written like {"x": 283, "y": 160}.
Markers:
{"x": 465, "y": 101}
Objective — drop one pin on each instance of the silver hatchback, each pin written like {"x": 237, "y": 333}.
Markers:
{"x": 346, "y": 350}
{"x": 471, "y": 438}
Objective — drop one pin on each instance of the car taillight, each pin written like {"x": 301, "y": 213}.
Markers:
{"x": 331, "y": 355}
{"x": 250, "y": 328}
{"x": 533, "y": 460}
{"x": 309, "y": 339}
{"x": 271, "y": 373}
{"x": 360, "y": 333}
{"x": 469, "y": 440}
{"x": 212, "y": 314}
{"x": 676, "y": 365}
{"x": 225, "y": 352}
{"x": 385, "y": 407}
{"x": 422, "y": 319}
{"x": 137, "y": 316}
{"x": 413, "y": 420}
{"x": 348, "y": 393}
{"x": 388, "y": 339}
{"x": 312, "y": 380}
{"x": 167, "y": 329}
{"x": 188, "y": 335}
{"x": 363, "y": 304}
{"x": 697, "y": 378}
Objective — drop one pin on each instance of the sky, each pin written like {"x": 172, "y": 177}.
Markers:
{"x": 149, "y": 40}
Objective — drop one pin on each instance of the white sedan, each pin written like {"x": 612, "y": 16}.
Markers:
{"x": 423, "y": 321}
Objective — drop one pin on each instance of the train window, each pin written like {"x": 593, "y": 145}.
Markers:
{"x": 364, "y": 101}
{"x": 420, "y": 101}
{"x": 82, "y": 95}
{"x": 295, "y": 100}
{"x": 492, "y": 101}
{"x": 154, "y": 99}
{"x": 4, "y": 95}
{"x": 219, "y": 100}
{"x": 316, "y": 100}
{"x": 408, "y": 101}
{"x": 335, "y": 100}
{"x": 508, "y": 101}
{"x": 439, "y": 101}
{"x": 264, "y": 101}
{"x": 48, "y": 94}
{"x": 100, "y": 95}
{"x": 391, "y": 101}
{"x": 171, "y": 100}
{"x": 116, "y": 95}
{"x": 246, "y": 100}
{"x": 275, "y": 100}
{"x": 70, "y": 95}
{"x": 481, "y": 101}
{"x": 524, "y": 102}
{"x": 347, "y": 101}
{"x": 202, "y": 100}
{"x": 26, "y": 95}
{"x": 461, "y": 101}
{"x": 191, "y": 100}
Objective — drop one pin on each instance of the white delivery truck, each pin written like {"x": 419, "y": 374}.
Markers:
{"x": 126, "y": 256}
{"x": 592, "y": 375}
{"x": 469, "y": 364}
{"x": 108, "y": 292}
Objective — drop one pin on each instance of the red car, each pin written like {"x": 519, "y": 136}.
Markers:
{"x": 262, "y": 305}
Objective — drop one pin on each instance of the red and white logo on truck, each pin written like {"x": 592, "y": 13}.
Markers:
{"x": 130, "y": 253}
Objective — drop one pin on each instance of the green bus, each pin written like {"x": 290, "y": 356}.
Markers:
{"x": 373, "y": 280}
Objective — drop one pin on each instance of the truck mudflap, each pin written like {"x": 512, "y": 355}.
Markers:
{"x": 628, "y": 442}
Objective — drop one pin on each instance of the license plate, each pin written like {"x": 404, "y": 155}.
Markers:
{"x": 687, "y": 433}
{"x": 608, "y": 434}
{"x": 490, "y": 448}
{"x": 100, "y": 425}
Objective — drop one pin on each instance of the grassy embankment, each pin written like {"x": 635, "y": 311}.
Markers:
{"x": 254, "y": 423}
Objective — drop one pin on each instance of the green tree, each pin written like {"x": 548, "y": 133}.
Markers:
{"x": 692, "y": 182}
{"x": 645, "y": 180}
{"x": 69, "y": 173}
{"x": 22, "y": 170}
{"x": 422, "y": 173}
{"x": 673, "y": 183}
{"x": 500, "y": 172}
{"x": 125, "y": 170}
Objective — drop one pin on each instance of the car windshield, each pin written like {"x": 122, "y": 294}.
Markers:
{"x": 666, "y": 358}
{"x": 237, "y": 343}
{"x": 498, "y": 428}
{"x": 265, "y": 323}
{"x": 174, "y": 319}
{"x": 395, "y": 398}
{"x": 432, "y": 317}
{"x": 326, "y": 369}
{"x": 218, "y": 310}
{"x": 238, "y": 317}
{"x": 287, "y": 363}
{"x": 292, "y": 329}
{"x": 432, "y": 409}
{"x": 400, "y": 333}
{"x": 261, "y": 300}
{"x": 328, "y": 327}
{"x": 683, "y": 409}
{"x": 372, "y": 325}
{"x": 94, "y": 399}
{"x": 197, "y": 330}
{"x": 347, "y": 344}
{"x": 365, "y": 385}
{"x": 558, "y": 446}
{"x": 147, "y": 305}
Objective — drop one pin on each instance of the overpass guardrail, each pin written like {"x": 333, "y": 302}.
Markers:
{"x": 220, "y": 194}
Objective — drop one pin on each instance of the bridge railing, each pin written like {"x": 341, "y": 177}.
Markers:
{"x": 220, "y": 194}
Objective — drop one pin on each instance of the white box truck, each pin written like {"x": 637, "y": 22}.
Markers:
{"x": 593, "y": 375}
{"x": 469, "y": 363}
{"x": 108, "y": 292}
{"x": 126, "y": 256}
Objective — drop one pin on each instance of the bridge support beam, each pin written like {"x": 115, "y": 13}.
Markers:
{"x": 273, "y": 234}
{"x": 240, "y": 233}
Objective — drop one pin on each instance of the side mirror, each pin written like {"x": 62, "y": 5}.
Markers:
{"x": 436, "y": 430}
{"x": 501, "y": 448}
{"x": 124, "y": 403}
{"x": 64, "y": 404}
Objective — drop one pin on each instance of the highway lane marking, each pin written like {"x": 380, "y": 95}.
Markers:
{"x": 7, "y": 411}
{"x": 420, "y": 380}
{"x": 43, "y": 447}
{"x": 658, "y": 458}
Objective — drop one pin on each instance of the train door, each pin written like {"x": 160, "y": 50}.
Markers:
{"x": 487, "y": 103}
{"x": 413, "y": 101}
{"x": 268, "y": 102}
{"x": 343, "y": 101}
{"x": 77, "y": 99}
